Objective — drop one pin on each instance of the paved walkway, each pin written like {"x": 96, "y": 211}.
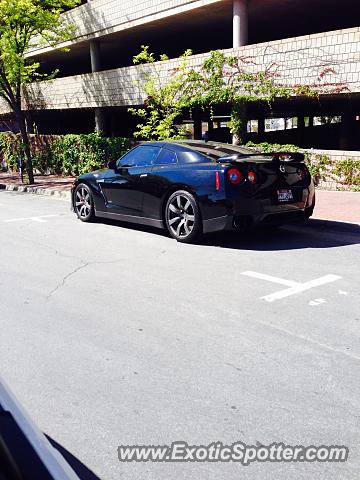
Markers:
{"x": 330, "y": 205}
{"x": 48, "y": 182}
{"x": 341, "y": 206}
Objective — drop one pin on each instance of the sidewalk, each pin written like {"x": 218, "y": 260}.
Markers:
{"x": 44, "y": 184}
{"x": 337, "y": 206}
{"x": 330, "y": 205}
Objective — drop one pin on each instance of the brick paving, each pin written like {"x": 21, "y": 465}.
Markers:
{"x": 338, "y": 206}
{"x": 49, "y": 182}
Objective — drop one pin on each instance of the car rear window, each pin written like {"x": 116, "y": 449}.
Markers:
{"x": 217, "y": 151}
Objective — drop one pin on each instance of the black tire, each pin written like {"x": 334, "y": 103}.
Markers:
{"x": 182, "y": 217}
{"x": 310, "y": 210}
{"x": 84, "y": 203}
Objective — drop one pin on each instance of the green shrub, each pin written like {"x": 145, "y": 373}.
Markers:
{"x": 348, "y": 171}
{"x": 319, "y": 165}
{"x": 266, "y": 147}
{"x": 63, "y": 154}
{"x": 343, "y": 172}
{"x": 10, "y": 147}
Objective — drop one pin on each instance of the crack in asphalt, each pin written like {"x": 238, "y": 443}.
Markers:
{"x": 78, "y": 268}
{"x": 84, "y": 263}
{"x": 65, "y": 278}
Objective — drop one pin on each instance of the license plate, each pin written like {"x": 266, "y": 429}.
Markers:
{"x": 285, "y": 196}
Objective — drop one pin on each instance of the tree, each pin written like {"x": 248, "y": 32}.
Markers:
{"x": 221, "y": 79}
{"x": 163, "y": 104}
{"x": 26, "y": 24}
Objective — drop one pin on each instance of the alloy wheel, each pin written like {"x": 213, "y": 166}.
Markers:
{"x": 83, "y": 204}
{"x": 180, "y": 216}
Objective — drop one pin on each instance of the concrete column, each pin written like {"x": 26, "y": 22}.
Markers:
{"x": 197, "y": 124}
{"x": 300, "y": 130}
{"x": 240, "y": 112}
{"x": 346, "y": 131}
{"x": 240, "y": 23}
{"x": 261, "y": 126}
{"x": 95, "y": 55}
{"x": 300, "y": 122}
{"x": 95, "y": 58}
{"x": 210, "y": 129}
{"x": 100, "y": 123}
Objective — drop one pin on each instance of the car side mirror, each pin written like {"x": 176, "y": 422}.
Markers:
{"x": 112, "y": 165}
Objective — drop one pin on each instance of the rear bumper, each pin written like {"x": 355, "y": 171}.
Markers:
{"x": 247, "y": 213}
{"x": 243, "y": 222}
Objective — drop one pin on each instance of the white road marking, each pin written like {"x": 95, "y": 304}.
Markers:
{"x": 295, "y": 287}
{"x": 301, "y": 287}
{"x": 270, "y": 278}
{"x": 39, "y": 219}
{"x": 342, "y": 292}
{"x": 317, "y": 301}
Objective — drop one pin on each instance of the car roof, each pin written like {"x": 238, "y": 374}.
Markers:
{"x": 211, "y": 149}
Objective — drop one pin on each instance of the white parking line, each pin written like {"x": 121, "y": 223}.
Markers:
{"x": 317, "y": 301}
{"x": 294, "y": 287}
{"x": 39, "y": 219}
{"x": 270, "y": 278}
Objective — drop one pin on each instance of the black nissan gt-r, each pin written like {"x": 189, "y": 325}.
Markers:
{"x": 195, "y": 187}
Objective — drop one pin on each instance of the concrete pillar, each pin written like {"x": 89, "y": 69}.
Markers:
{"x": 300, "y": 122}
{"x": 240, "y": 112}
{"x": 95, "y": 58}
{"x": 100, "y": 122}
{"x": 261, "y": 126}
{"x": 240, "y": 23}
{"x": 210, "y": 129}
{"x": 300, "y": 130}
{"x": 95, "y": 55}
{"x": 346, "y": 131}
{"x": 197, "y": 124}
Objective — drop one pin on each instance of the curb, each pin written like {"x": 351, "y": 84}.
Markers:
{"x": 346, "y": 222}
{"x": 66, "y": 195}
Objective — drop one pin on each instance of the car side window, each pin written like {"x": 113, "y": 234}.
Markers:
{"x": 166, "y": 157}
{"x": 141, "y": 156}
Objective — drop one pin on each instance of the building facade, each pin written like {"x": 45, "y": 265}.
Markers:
{"x": 307, "y": 41}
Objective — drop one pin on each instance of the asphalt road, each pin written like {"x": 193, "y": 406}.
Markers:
{"x": 113, "y": 335}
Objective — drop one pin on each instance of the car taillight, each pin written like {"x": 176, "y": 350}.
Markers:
{"x": 302, "y": 173}
{"x": 234, "y": 176}
{"x": 217, "y": 181}
{"x": 252, "y": 177}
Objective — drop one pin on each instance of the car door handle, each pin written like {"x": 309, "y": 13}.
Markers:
{"x": 143, "y": 175}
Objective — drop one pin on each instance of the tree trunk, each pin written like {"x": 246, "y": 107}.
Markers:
{"x": 20, "y": 117}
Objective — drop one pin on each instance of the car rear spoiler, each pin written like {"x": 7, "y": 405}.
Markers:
{"x": 275, "y": 157}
